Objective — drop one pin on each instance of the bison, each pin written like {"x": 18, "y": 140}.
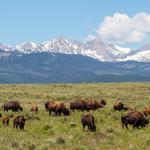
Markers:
{"x": 56, "y": 107}
{"x": 134, "y": 118}
{"x": 19, "y": 121}
{"x": 92, "y": 105}
{"x": 34, "y": 109}
{"x": 12, "y": 105}
{"x": 78, "y": 105}
{"x": 118, "y": 105}
{"x": 5, "y": 120}
{"x": 88, "y": 120}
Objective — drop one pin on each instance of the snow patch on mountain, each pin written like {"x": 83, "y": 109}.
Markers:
{"x": 143, "y": 56}
{"x": 27, "y": 47}
{"x": 5, "y": 47}
{"x": 60, "y": 45}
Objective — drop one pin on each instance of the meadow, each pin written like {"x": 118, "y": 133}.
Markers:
{"x": 44, "y": 132}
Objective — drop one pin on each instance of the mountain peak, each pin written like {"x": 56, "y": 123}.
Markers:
{"x": 27, "y": 47}
{"x": 5, "y": 47}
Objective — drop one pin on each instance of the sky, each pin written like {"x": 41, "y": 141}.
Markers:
{"x": 126, "y": 23}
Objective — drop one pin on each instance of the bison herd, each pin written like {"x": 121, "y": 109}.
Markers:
{"x": 131, "y": 117}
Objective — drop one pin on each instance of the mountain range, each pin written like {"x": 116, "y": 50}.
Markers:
{"x": 96, "y": 49}
{"x": 63, "y": 61}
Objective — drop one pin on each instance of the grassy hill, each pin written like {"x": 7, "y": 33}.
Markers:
{"x": 44, "y": 132}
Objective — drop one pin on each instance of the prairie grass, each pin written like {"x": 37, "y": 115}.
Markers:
{"x": 44, "y": 132}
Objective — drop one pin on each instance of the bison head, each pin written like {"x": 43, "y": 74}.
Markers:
{"x": 93, "y": 128}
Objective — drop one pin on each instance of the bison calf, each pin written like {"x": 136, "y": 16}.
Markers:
{"x": 118, "y": 105}
{"x": 34, "y": 109}
{"x": 5, "y": 120}
{"x": 88, "y": 120}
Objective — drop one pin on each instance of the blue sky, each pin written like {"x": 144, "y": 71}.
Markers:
{"x": 40, "y": 20}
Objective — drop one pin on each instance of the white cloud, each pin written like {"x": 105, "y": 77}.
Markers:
{"x": 121, "y": 28}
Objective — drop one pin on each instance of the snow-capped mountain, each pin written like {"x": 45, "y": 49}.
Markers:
{"x": 105, "y": 52}
{"x": 5, "y": 47}
{"x": 27, "y": 47}
{"x": 141, "y": 55}
{"x": 96, "y": 49}
{"x": 61, "y": 45}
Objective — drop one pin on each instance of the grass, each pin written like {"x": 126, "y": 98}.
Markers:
{"x": 44, "y": 132}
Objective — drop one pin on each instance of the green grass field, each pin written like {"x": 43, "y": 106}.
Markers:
{"x": 44, "y": 132}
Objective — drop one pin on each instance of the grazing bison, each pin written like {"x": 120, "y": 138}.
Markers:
{"x": 88, "y": 120}
{"x": 86, "y": 105}
{"x": 146, "y": 111}
{"x": 56, "y": 107}
{"x": 118, "y": 105}
{"x": 5, "y": 120}
{"x": 34, "y": 109}
{"x": 19, "y": 121}
{"x": 12, "y": 105}
{"x": 78, "y": 105}
{"x": 92, "y": 105}
{"x": 134, "y": 118}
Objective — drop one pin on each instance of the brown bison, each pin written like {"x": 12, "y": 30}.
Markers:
{"x": 118, "y": 105}
{"x": 19, "y": 121}
{"x": 134, "y": 118}
{"x": 146, "y": 111}
{"x": 92, "y": 105}
{"x": 12, "y": 105}
{"x": 34, "y": 109}
{"x": 56, "y": 107}
{"x": 88, "y": 120}
{"x": 78, "y": 105}
{"x": 5, "y": 120}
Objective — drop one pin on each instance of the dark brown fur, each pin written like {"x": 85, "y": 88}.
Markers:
{"x": 19, "y": 121}
{"x": 66, "y": 111}
{"x": 88, "y": 120}
{"x": 78, "y": 105}
{"x": 12, "y": 105}
{"x": 134, "y": 118}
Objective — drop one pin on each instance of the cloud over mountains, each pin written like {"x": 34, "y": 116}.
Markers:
{"x": 123, "y": 29}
